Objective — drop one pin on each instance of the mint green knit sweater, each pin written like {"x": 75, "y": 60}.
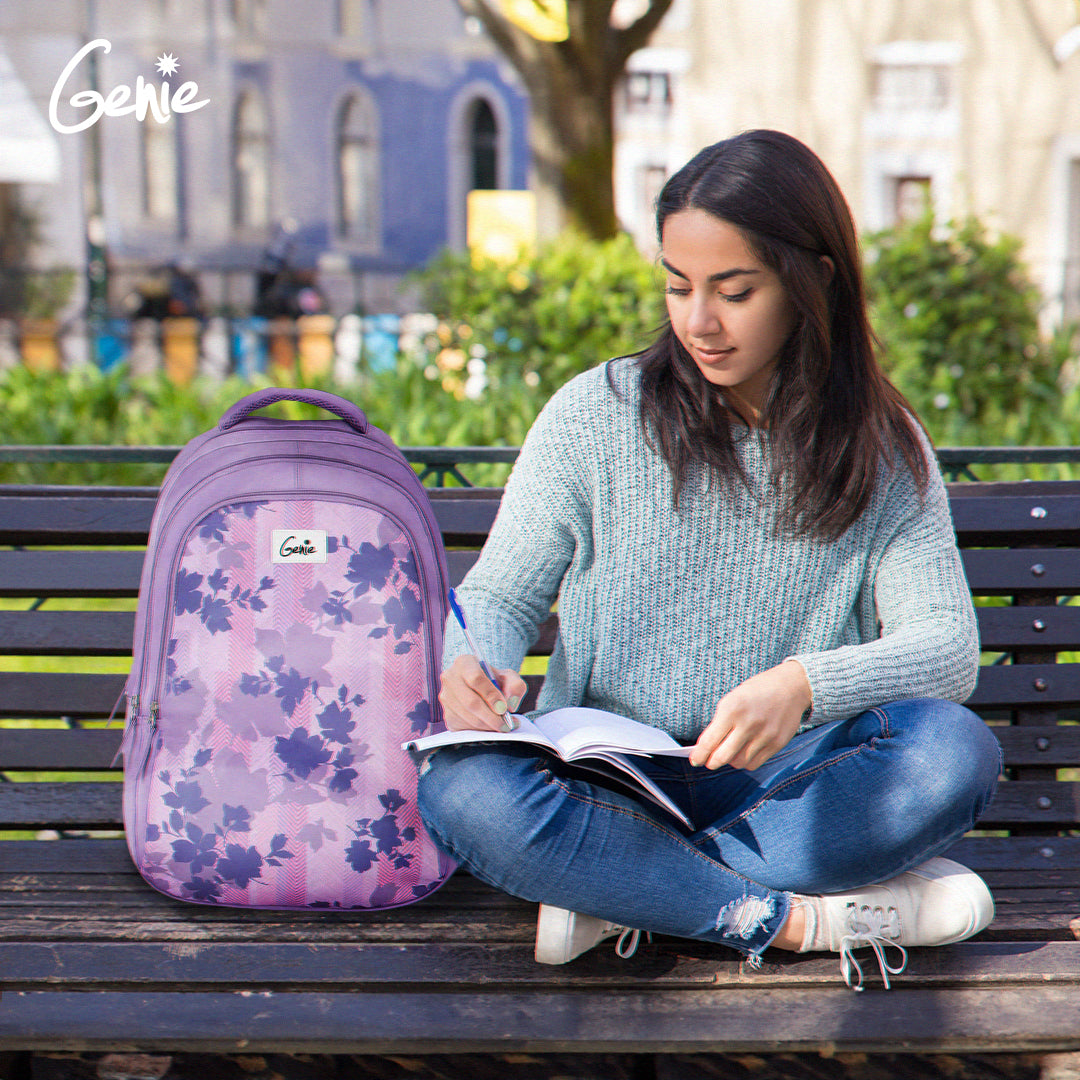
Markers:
{"x": 662, "y": 612}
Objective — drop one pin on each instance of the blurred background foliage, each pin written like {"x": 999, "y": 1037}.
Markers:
{"x": 954, "y": 306}
{"x": 959, "y": 317}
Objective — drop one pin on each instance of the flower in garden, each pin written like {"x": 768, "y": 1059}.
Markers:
{"x": 451, "y": 359}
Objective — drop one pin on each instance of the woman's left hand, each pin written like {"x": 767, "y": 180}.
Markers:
{"x": 756, "y": 719}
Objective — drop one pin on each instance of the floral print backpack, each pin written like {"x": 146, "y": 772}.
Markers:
{"x": 287, "y": 642}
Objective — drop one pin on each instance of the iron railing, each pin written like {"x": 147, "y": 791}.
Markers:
{"x": 442, "y": 463}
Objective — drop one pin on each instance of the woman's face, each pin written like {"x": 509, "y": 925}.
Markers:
{"x": 729, "y": 311}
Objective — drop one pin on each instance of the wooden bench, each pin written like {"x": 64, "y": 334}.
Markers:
{"x": 92, "y": 959}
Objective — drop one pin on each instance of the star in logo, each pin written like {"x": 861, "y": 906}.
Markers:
{"x": 167, "y": 64}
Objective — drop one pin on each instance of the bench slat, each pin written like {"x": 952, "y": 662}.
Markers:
{"x": 70, "y": 573}
{"x": 66, "y": 633}
{"x": 87, "y": 805}
{"x": 823, "y": 1019}
{"x": 1010, "y": 628}
{"x": 988, "y": 520}
{"x": 1008, "y": 571}
{"x": 40, "y": 695}
{"x": 60, "y": 516}
{"x": 1014, "y": 685}
{"x": 37, "y": 750}
{"x": 109, "y": 857}
{"x": 80, "y": 516}
{"x": 60, "y": 750}
{"x": 65, "y": 804}
{"x": 293, "y": 966}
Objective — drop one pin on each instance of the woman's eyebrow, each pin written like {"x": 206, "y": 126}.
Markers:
{"x": 721, "y": 275}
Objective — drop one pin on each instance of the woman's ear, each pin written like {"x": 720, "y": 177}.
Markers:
{"x": 829, "y": 267}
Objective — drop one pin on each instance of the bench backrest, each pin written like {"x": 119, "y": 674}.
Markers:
{"x": 69, "y": 570}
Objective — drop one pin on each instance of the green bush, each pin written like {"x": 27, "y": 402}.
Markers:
{"x": 958, "y": 315}
{"x": 955, "y": 309}
{"x": 569, "y": 306}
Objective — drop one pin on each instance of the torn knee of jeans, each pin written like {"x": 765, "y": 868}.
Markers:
{"x": 425, "y": 763}
{"x": 745, "y": 917}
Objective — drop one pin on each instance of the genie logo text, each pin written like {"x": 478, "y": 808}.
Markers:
{"x": 122, "y": 100}
{"x": 304, "y": 546}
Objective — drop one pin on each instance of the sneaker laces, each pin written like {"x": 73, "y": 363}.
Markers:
{"x": 878, "y": 928}
{"x": 628, "y": 941}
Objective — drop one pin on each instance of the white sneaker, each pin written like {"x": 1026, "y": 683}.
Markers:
{"x": 937, "y": 903}
{"x": 561, "y": 935}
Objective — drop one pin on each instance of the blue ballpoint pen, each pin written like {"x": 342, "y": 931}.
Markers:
{"x": 460, "y": 616}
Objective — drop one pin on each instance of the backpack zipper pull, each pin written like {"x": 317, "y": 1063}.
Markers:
{"x": 129, "y": 725}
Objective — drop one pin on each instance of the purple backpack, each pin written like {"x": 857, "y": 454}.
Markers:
{"x": 287, "y": 642}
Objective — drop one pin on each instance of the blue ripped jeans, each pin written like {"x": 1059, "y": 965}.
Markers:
{"x": 843, "y": 805}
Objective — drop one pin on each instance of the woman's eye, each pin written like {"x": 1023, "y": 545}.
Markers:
{"x": 675, "y": 290}
{"x": 737, "y": 298}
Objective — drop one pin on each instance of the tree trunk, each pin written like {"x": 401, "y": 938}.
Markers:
{"x": 571, "y": 88}
{"x": 571, "y": 136}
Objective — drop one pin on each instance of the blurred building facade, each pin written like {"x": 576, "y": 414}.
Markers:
{"x": 340, "y": 138}
{"x": 343, "y": 136}
{"x": 970, "y": 105}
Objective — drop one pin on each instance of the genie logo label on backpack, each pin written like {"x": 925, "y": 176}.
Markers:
{"x": 292, "y": 546}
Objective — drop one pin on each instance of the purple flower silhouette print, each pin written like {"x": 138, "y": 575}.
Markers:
{"x": 370, "y": 568}
{"x": 215, "y": 614}
{"x": 197, "y": 849}
{"x": 420, "y": 717}
{"x": 186, "y": 796}
{"x": 386, "y": 834}
{"x": 188, "y": 597}
{"x": 240, "y": 865}
{"x": 291, "y": 688}
{"x": 214, "y": 526}
{"x": 302, "y": 753}
{"x": 360, "y": 856}
{"x": 404, "y": 613}
{"x": 407, "y": 567}
{"x": 235, "y": 818}
{"x": 201, "y": 889}
{"x": 336, "y": 723}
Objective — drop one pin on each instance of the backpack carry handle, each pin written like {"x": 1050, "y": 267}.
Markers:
{"x": 350, "y": 413}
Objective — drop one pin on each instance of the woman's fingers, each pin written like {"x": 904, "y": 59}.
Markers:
{"x": 469, "y": 699}
{"x": 755, "y": 720}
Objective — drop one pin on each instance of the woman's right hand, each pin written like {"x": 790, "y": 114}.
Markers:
{"x": 470, "y": 700}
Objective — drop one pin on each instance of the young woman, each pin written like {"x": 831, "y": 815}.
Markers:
{"x": 751, "y": 548}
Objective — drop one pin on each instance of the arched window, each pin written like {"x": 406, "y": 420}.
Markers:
{"x": 250, "y": 163}
{"x": 483, "y": 147}
{"x": 159, "y": 170}
{"x": 357, "y": 170}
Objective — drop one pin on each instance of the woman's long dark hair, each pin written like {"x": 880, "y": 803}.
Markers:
{"x": 831, "y": 417}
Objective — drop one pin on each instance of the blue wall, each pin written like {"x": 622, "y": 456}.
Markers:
{"x": 303, "y": 94}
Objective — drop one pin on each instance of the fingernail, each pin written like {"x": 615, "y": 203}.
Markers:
{"x": 500, "y": 707}
{"x": 514, "y": 703}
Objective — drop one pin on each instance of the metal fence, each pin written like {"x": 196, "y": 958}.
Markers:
{"x": 439, "y": 464}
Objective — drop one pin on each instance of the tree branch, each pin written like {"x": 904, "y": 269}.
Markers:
{"x": 518, "y": 46}
{"x": 637, "y": 34}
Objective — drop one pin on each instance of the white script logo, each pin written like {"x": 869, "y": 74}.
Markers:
{"x": 162, "y": 101}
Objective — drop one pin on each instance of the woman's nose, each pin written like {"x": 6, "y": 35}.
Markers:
{"x": 703, "y": 318}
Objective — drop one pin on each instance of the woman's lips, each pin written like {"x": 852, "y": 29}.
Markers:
{"x": 712, "y": 356}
